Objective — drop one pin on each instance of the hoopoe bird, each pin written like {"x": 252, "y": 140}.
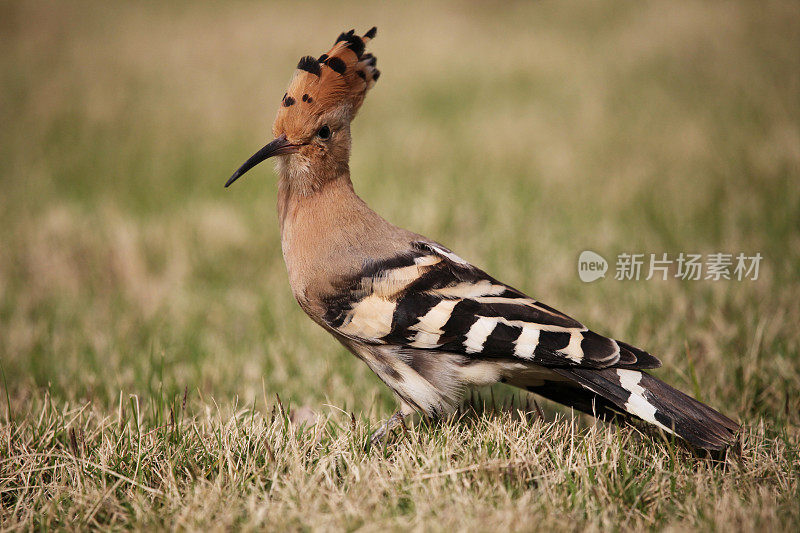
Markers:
{"x": 427, "y": 322}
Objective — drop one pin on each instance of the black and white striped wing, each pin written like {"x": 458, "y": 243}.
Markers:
{"x": 431, "y": 299}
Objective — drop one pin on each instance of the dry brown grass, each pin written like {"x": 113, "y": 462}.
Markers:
{"x": 220, "y": 470}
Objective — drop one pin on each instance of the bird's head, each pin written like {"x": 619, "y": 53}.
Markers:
{"x": 312, "y": 129}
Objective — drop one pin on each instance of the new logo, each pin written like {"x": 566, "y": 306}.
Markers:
{"x": 591, "y": 266}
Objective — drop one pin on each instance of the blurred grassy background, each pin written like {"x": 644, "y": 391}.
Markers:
{"x": 516, "y": 134}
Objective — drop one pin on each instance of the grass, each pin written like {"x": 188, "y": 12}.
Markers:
{"x": 149, "y": 466}
{"x": 146, "y": 325}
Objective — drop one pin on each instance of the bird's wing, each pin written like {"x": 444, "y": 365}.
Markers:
{"x": 431, "y": 299}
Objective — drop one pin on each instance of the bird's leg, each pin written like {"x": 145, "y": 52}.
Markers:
{"x": 381, "y": 434}
{"x": 398, "y": 419}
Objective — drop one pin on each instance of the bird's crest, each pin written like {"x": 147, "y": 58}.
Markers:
{"x": 337, "y": 81}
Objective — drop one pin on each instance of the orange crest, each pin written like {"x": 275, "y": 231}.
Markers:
{"x": 333, "y": 85}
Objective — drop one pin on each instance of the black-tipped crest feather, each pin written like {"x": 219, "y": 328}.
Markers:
{"x": 309, "y": 64}
{"x": 336, "y": 64}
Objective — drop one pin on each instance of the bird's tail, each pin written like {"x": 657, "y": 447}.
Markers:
{"x": 615, "y": 391}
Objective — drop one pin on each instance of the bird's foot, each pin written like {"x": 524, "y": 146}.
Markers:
{"x": 381, "y": 435}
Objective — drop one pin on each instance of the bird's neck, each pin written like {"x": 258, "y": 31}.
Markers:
{"x": 312, "y": 196}
{"x": 326, "y": 233}
{"x": 316, "y": 225}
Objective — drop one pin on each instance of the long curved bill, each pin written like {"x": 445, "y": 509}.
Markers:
{"x": 279, "y": 146}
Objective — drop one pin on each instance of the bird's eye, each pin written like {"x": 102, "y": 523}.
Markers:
{"x": 324, "y": 133}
